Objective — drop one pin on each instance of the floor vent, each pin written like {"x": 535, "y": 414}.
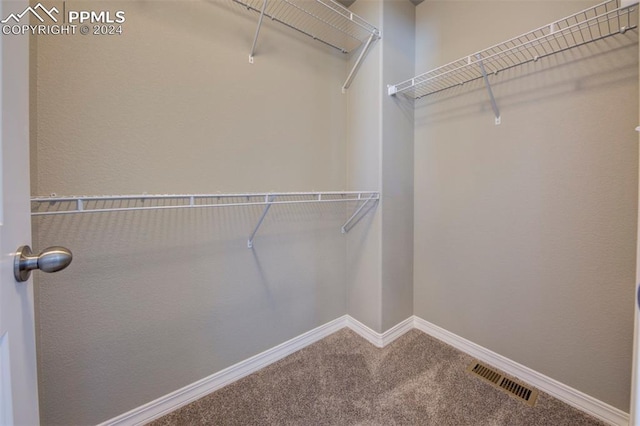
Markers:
{"x": 514, "y": 388}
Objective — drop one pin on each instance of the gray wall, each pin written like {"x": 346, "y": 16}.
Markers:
{"x": 158, "y": 300}
{"x": 364, "y": 153}
{"x": 397, "y": 165}
{"x": 380, "y": 155}
{"x": 525, "y": 232}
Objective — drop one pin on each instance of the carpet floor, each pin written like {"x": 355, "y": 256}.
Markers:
{"x": 344, "y": 380}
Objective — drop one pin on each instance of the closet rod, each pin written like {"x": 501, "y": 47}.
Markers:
{"x": 54, "y": 205}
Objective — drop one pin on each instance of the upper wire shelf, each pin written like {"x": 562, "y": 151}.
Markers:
{"x": 324, "y": 20}
{"x": 595, "y": 23}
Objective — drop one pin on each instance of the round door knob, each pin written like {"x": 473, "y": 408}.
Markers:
{"x": 52, "y": 259}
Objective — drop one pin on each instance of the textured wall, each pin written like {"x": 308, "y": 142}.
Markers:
{"x": 380, "y": 156}
{"x": 364, "y": 242}
{"x": 176, "y": 97}
{"x": 398, "y": 49}
{"x": 525, "y": 232}
{"x": 157, "y": 300}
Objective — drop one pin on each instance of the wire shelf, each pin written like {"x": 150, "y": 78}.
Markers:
{"x": 324, "y": 20}
{"x": 595, "y": 23}
{"x": 54, "y": 205}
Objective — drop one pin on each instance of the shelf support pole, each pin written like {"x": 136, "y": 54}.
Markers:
{"x": 255, "y": 39}
{"x": 494, "y": 105}
{"x": 356, "y": 66}
{"x": 348, "y": 225}
{"x": 267, "y": 200}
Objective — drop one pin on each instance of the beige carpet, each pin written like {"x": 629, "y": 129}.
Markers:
{"x": 344, "y": 380}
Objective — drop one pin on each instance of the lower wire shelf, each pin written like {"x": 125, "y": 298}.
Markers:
{"x": 55, "y": 205}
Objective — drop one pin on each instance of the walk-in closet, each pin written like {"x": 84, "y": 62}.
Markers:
{"x": 319, "y": 212}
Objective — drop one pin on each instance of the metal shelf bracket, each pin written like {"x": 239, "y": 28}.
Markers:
{"x": 356, "y": 66}
{"x": 255, "y": 38}
{"x": 494, "y": 105}
{"x": 268, "y": 200}
{"x": 352, "y": 221}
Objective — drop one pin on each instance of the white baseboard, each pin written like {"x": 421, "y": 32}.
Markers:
{"x": 168, "y": 403}
{"x": 374, "y": 338}
{"x": 380, "y": 340}
{"x": 396, "y": 331}
{"x": 564, "y": 393}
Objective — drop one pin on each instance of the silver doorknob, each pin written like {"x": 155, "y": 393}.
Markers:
{"x": 52, "y": 259}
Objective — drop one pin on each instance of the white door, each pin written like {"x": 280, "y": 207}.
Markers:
{"x": 635, "y": 389}
{"x": 18, "y": 380}
{"x": 635, "y": 382}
